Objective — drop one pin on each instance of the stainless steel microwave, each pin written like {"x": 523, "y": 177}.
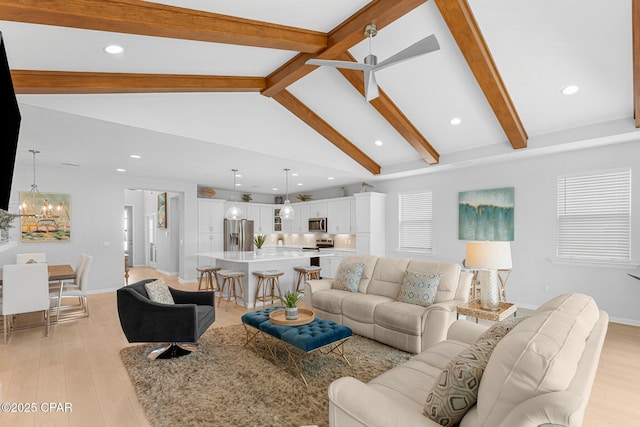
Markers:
{"x": 317, "y": 225}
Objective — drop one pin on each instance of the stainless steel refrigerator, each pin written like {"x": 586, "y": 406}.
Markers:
{"x": 238, "y": 235}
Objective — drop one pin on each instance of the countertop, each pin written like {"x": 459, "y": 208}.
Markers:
{"x": 264, "y": 255}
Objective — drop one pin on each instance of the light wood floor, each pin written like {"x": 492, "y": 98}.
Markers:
{"x": 79, "y": 363}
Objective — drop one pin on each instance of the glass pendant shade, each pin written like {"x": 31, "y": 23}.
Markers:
{"x": 287, "y": 211}
{"x": 234, "y": 212}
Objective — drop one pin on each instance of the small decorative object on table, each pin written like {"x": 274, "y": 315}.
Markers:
{"x": 259, "y": 240}
{"x": 290, "y": 301}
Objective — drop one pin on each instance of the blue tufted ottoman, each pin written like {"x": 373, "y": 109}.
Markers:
{"x": 300, "y": 341}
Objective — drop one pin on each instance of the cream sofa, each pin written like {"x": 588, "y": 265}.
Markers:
{"x": 373, "y": 311}
{"x": 539, "y": 374}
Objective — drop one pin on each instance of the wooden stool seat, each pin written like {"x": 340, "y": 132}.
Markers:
{"x": 207, "y": 272}
{"x": 269, "y": 279}
{"x": 232, "y": 280}
{"x": 305, "y": 273}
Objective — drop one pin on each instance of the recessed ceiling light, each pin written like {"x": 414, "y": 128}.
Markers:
{"x": 294, "y": 174}
{"x": 121, "y": 170}
{"x": 238, "y": 175}
{"x": 455, "y": 121}
{"x": 275, "y": 188}
{"x": 378, "y": 142}
{"x": 238, "y": 185}
{"x": 570, "y": 90}
{"x": 300, "y": 184}
{"x": 114, "y": 49}
{"x": 135, "y": 156}
{"x": 330, "y": 178}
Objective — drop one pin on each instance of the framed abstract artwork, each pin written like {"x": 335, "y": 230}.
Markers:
{"x": 162, "y": 210}
{"x": 45, "y": 217}
{"x": 486, "y": 214}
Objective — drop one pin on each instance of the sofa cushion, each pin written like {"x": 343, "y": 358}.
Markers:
{"x": 330, "y": 300}
{"x": 159, "y": 292}
{"x": 539, "y": 356}
{"x": 387, "y": 276}
{"x": 361, "y": 307}
{"x": 419, "y": 288}
{"x": 348, "y": 276}
{"x": 400, "y": 316}
{"x": 369, "y": 262}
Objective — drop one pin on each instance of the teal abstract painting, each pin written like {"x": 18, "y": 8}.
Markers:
{"x": 486, "y": 214}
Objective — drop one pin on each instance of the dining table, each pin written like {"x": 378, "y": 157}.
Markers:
{"x": 57, "y": 273}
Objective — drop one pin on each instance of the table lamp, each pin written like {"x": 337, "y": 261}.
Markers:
{"x": 488, "y": 258}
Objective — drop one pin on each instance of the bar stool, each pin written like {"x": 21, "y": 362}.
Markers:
{"x": 208, "y": 273}
{"x": 232, "y": 280}
{"x": 306, "y": 273}
{"x": 268, "y": 279}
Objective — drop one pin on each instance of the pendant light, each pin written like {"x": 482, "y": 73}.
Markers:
{"x": 287, "y": 211}
{"x": 234, "y": 212}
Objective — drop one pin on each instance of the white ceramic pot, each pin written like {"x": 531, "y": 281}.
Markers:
{"x": 291, "y": 313}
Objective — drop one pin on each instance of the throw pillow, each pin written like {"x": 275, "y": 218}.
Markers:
{"x": 348, "y": 276}
{"x": 158, "y": 291}
{"x": 456, "y": 388}
{"x": 498, "y": 330}
{"x": 419, "y": 288}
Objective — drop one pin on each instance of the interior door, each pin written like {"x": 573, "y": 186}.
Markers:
{"x": 150, "y": 240}
{"x": 128, "y": 233}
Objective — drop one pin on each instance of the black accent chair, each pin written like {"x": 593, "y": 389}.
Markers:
{"x": 180, "y": 324}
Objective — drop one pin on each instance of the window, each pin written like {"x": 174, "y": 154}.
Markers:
{"x": 415, "y": 222}
{"x": 594, "y": 216}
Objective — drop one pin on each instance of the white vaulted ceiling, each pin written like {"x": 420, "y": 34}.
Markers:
{"x": 538, "y": 46}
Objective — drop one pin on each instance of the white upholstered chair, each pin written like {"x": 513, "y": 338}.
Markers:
{"x": 25, "y": 289}
{"x": 31, "y": 258}
{"x": 75, "y": 288}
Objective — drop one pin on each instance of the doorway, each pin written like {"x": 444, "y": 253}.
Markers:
{"x": 150, "y": 240}
{"x": 128, "y": 234}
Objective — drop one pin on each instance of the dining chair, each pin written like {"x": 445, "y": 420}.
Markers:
{"x": 74, "y": 288}
{"x": 31, "y": 258}
{"x": 25, "y": 289}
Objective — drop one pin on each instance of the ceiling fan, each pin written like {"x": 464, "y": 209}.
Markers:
{"x": 370, "y": 66}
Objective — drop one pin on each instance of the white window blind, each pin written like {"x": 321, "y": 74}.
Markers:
{"x": 594, "y": 216}
{"x": 416, "y": 217}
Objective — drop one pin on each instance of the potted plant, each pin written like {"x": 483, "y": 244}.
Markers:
{"x": 6, "y": 220}
{"x": 290, "y": 301}
{"x": 304, "y": 197}
{"x": 259, "y": 240}
{"x": 247, "y": 197}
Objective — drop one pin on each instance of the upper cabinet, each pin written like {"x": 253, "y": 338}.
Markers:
{"x": 317, "y": 209}
{"x": 339, "y": 219}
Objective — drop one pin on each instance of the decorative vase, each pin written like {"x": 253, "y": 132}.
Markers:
{"x": 291, "y": 313}
{"x": 489, "y": 290}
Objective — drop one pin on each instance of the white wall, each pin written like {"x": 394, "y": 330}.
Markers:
{"x": 534, "y": 180}
{"x": 97, "y": 202}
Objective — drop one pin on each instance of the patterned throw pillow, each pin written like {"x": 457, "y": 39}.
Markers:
{"x": 419, "y": 288}
{"x": 348, "y": 276}
{"x": 456, "y": 388}
{"x": 158, "y": 291}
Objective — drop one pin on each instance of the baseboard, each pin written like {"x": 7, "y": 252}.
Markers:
{"x": 630, "y": 322}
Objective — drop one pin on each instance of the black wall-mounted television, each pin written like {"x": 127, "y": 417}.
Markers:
{"x": 9, "y": 127}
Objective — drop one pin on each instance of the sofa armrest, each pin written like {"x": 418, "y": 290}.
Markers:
{"x": 354, "y": 403}
{"x": 556, "y": 409}
{"x": 436, "y": 320}
{"x": 313, "y": 286}
{"x": 465, "y": 331}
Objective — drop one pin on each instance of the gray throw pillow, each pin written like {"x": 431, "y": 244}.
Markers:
{"x": 158, "y": 291}
{"x": 348, "y": 276}
{"x": 419, "y": 288}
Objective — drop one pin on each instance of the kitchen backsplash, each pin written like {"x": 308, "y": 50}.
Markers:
{"x": 342, "y": 241}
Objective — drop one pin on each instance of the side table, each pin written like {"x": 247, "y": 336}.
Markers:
{"x": 473, "y": 309}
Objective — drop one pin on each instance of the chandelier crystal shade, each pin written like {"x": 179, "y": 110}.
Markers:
{"x": 287, "y": 211}
{"x": 234, "y": 212}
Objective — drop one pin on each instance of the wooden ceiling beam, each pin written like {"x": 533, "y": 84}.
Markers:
{"x": 66, "y": 82}
{"x": 391, "y": 113}
{"x": 153, "y": 19}
{"x": 635, "y": 20}
{"x": 304, "y": 113}
{"x": 341, "y": 38}
{"x": 459, "y": 18}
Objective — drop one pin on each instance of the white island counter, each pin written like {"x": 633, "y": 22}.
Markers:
{"x": 266, "y": 259}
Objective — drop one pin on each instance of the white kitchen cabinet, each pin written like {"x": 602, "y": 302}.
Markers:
{"x": 210, "y": 215}
{"x": 339, "y": 216}
{"x": 317, "y": 209}
{"x": 370, "y": 220}
{"x": 329, "y": 266}
{"x": 301, "y": 221}
{"x": 266, "y": 220}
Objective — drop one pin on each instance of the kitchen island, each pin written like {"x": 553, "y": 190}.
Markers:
{"x": 266, "y": 259}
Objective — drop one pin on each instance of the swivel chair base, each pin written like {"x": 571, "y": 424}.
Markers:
{"x": 169, "y": 351}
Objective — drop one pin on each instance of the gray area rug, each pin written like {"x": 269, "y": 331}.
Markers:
{"x": 224, "y": 383}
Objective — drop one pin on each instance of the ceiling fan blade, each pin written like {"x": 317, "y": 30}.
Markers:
{"x": 340, "y": 64}
{"x": 426, "y": 45}
{"x": 370, "y": 86}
